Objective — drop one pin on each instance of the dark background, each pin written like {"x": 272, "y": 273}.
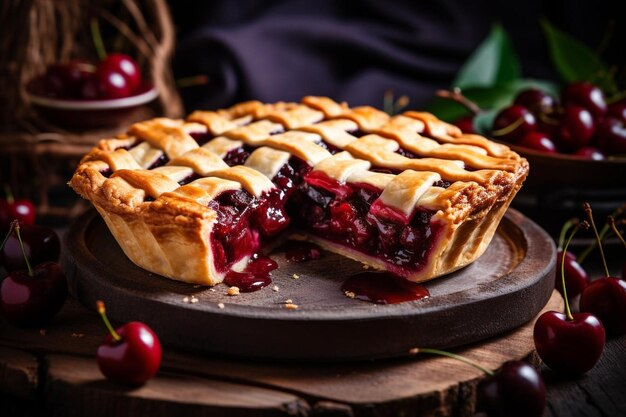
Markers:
{"x": 356, "y": 50}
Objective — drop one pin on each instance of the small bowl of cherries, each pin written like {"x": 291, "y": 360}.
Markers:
{"x": 82, "y": 94}
{"x": 578, "y": 138}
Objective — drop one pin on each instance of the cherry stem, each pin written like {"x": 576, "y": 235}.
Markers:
{"x": 16, "y": 227}
{"x": 587, "y": 208}
{"x": 566, "y": 227}
{"x": 6, "y": 238}
{"x": 508, "y": 129}
{"x": 9, "y": 194}
{"x": 97, "y": 39}
{"x": 611, "y": 222}
{"x": 457, "y": 357}
{"x": 568, "y": 311}
{"x": 603, "y": 232}
{"x": 102, "y": 311}
{"x": 456, "y": 95}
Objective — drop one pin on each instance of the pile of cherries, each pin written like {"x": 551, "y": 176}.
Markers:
{"x": 116, "y": 76}
{"x": 582, "y": 123}
{"x": 34, "y": 289}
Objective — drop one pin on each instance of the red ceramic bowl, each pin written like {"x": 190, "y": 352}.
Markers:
{"x": 91, "y": 113}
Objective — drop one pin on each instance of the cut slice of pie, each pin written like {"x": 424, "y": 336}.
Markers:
{"x": 192, "y": 200}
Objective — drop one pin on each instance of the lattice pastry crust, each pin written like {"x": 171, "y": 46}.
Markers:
{"x": 166, "y": 187}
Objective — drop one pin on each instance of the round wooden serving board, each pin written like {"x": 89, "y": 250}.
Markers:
{"x": 505, "y": 288}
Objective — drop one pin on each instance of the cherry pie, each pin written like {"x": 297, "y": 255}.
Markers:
{"x": 193, "y": 199}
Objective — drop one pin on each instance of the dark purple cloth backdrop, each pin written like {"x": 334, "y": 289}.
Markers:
{"x": 356, "y": 50}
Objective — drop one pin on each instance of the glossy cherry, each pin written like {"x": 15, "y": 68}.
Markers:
{"x": 586, "y": 95}
{"x": 577, "y": 128}
{"x": 516, "y": 390}
{"x": 124, "y": 65}
{"x": 606, "y": 297}
{"x": 11, "y": 209}
{"x": 33, "y": 296}
{"x": 591, "y": 153}
{"x": 112, "y": 84}
{"x": 130, "y": 354}
{"x": 537, "y": 141}
{"x": 611, "y": 135}
{"x": 618, "y": 110}
{"x": 535, "y": 100}
{"x": 40, "y": 244}
{"x": 576, "y": 279}
{"x": 512, "y": 122}
{"x": 65, "y": 80}
{"x": 569, "y": 343}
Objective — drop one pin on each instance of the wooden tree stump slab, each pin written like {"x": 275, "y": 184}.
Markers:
{"x": 500, "y": 291}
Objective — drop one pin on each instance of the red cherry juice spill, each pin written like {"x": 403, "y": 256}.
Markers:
{"x": 256, "y": 275}
{"x": 302, "y": 252}
{"x": 383, "y": 288}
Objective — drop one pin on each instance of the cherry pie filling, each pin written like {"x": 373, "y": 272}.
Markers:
{"x": 352, "y": 216}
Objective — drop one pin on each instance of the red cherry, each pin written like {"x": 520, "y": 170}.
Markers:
{"x": 576, "y": 279}
{"x": 90, "y": 90}
{"x": 569, "y": 345}
{"x": 577, "y": 128}
{"x": 606, "y": 299}
{"x": 65, "y": 79}
{"x": 513, "y": 122}
{"x": 124, "y": 65}
{"x": 535, "y": 100}
{"x": 466, "y": 124}
{"x": 586, "y": 95}
{"x": 40, "y": 243}
{"x": 112, "y": 84}
{"x": 618, "y": 110}
{"x": 32, "y": 300}
{"x": 131, "y": 354}
{"x": 21, "y": 210}
{"x": 611, "y": 135}
{"x": 537, "y": 141}
{"x": 589, "y": 152}
{"x": 516, "y": 390}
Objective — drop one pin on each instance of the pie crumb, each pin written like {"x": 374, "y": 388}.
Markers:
{"x": 288, "y": 301}
{"x": 366, "y": 266}
{"x": 414, "y": 351}
{"x": 220, "y": 305}
{"x": 349, "y": 294}
{"x": 275, "y": 288}
{"x": 194, "y": 299}
{"x": 291, "y": 306}
{"x": 212, "y": 289}
{"x": 186, "y": 300}
{"x": 295, "y": 276}
{"x": 233, "y": 291}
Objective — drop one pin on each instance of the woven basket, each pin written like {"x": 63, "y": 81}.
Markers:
{"x": 37, "y": 158}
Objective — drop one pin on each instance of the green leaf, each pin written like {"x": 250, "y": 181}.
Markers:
{"x": 493, "y": 63}
{"x": 493, "y": 98}
{"x": 483, "y": 122}
{"x": 574, "y": 61}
